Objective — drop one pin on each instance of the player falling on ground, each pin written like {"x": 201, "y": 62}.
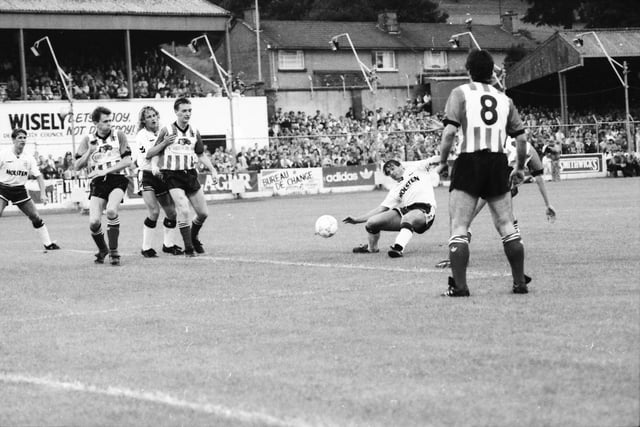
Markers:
{"x": 486, "y": 117}
{"x": 15, "y": 167}
{"x": 106, "y": 154}
{"x": 409, "y": 207}
{"x": 178, "y": 149}
{"x": 534, "y": 164}
{"x": 155, "y": 192}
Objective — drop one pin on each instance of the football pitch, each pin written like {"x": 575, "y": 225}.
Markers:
{"x": 276, "y": 326}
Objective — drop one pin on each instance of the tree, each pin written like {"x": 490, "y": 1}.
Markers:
{"x": 593, "y": 13}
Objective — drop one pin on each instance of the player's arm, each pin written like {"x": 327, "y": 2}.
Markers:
{"x": 82, "y": 155}
{"x": 454, "y": 112}
{"x": 34, "y": 171}
{"x": 515, "y": 129}
{"x": 537, "y": 169}
{"x": 163, "y": 141}
{"x": 363, "y": 218}
{"x": 206, "y": 161}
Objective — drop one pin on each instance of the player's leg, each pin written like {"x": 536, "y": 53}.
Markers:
{"x": 501, "y": 211}
{"x": 3, "y": 205}
{"x": 182, "y": 216}
{"x": 199, "y": 204}
{"x": 461, "y": 209}
{"x": 150, "y": 222}
{"x": 385, "y": 221}
{"x": 113, "y": 223}
{"x": 96, "y": 206}
{"x": 414, "y": 221}
{"x": 29, "y": 209}
{"x": 170, "y": 230}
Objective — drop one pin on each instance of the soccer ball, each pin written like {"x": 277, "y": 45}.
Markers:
{"x": 326, "y": 226}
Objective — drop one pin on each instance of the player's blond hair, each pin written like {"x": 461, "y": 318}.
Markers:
{"x": 143, "y": 112}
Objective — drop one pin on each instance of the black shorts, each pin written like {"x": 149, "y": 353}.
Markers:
{"x": 481, "y": 174}
{"x": 150, "y": 182}
{"x": 102, "y": 186}
{"x": 185, "y": 180}
{"x": 426, "y": 208}
{"x": 16, "y": 194}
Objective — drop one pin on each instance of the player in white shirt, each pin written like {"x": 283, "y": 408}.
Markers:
{"x": 409, "y": 207}
{"x": 15, "y": 168}
{"x": 155, "y": 192}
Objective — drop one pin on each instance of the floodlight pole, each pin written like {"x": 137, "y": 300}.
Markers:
{"x": 623, "y": 80}
{"x": 455, "y": 37}
{"x": 66, "y": 83}
{"x": 223, "y": 76}
{"x": 366, "y": 71}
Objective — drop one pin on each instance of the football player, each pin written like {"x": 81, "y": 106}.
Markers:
{"x": 408, "y": 208}
{"x": 15, "y": 168}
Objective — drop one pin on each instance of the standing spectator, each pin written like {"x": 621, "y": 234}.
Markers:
{"x": 554, "y": 151}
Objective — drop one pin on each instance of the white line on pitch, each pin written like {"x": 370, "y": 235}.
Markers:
{"x": 155, "y": 397}
{"x": 471, "y": 274}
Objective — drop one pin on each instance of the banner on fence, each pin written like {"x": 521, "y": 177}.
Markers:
{"x": 348, "y": 176}
{"x": 582, "y": 165}
{"x": 291, "y": 181}
{"x": 49, "y": 126}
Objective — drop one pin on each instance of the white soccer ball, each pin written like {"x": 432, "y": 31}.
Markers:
{"x": 326, "y": 226}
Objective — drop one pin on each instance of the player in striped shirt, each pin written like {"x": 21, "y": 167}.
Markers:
{"x": 410, "y": 206}
{"x": 106, "y": 154}
{"x": 486, "y": 117}
{"x": 176, "y": 153}
{"x": 15, "y": 168}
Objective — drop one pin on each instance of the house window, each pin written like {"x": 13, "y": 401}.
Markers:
{"x": 435, "y": 60}
{"x": 384, "y": 60}
{"x": 290, "y": 60}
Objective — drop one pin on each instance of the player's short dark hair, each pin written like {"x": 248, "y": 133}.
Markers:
{"x": 18, "y": 131}
{"x": 178, "y": 102}
{"x": 388, "y": 164}
{"x": 98, "y": 112}
{"x": 480, "y": 65}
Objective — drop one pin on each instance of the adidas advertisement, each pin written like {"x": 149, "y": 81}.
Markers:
{"x": 348, "y": 176}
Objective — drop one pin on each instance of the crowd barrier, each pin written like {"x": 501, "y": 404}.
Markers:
{"x": 73, "y": 193}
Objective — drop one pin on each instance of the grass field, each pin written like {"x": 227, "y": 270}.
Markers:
{"x": 275, "y": 326}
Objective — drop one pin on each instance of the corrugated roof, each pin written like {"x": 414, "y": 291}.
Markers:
{"x": 111, "y": 7}
{"x": 366, "y": 35}
{"x": 558, "y": 52}
{"x": 618, "y": 42}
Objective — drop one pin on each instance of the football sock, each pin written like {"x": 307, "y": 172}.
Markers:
{"x": 514, "y": 249}
{"x": 113, "y": 232}
{"x": 185, "y": 231}
{"x": 169, "y": 231}
{"x": 459, "y": 258}
{"x": 147, "y": 233}
{"x": 98, "y": 237}
{"x": 404, "y": 236}
{"x": 42, "y": 231}
{"x": 196, "y": 225}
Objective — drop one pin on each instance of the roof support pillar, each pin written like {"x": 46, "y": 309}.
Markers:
{"x": 564, "y": 109}
{"x": 23, "y": 63}
{"x": 127, "y": 49}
